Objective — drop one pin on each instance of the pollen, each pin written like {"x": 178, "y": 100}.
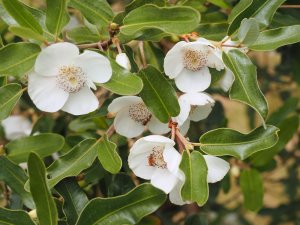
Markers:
{"x": 194, "y": 60}
{"x": 71, "y": 78}
{"x": 139, "y": 113}
{"x": 156, "y": 158}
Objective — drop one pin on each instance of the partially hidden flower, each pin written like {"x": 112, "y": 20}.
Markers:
{"x": 132, "y": 117}
{"x": 16, "y": 127}
{"x": 154, "y": 158}
{"x": 123, "y": 61}
{"x": 188, "y": 63}
{"x": 62, "y": 79}
{"x": 217, "y": 169}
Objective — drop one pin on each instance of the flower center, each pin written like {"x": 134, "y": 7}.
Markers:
{"x": 139, "y": 113}
{"x": 156, "y": 158}
{"x": 71, "y": 78}
{"x": 194, "y": 59}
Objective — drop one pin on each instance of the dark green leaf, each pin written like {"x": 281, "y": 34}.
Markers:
{"x": 213, "y": 31}
{"x": 120, "y": 184}
{"x": 14, "y": 217}
{"x": 249, "y": 31}
{"x": 154, "y": 55}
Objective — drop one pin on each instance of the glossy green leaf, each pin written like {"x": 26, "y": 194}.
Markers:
{"x": 108, "y": 155}
{"x": 245, "y": 87}
{"x": 138, "y": 3}
{"x": 221, "y": 3}
{"x": 56, "y": 15}
{"x": 41, "y": 144}
{"x": 252, "y": 187}
{"x": 154, "y": 55}
{"x": 158, "y": 94}
{"x": 15, "y": 177}
{"x": 82, "y": 35}
{"x": 124, "y": 209}
{"x": 195, "y": 188}
{"x": 26, "y": 33}
{"x": 176, "y": 20}
{"x": 238, "y": 9}
{"x": 97, "y": 12}
{"x": 120, "y": 184}
{"x": 14, "y": 217}
{"x": 74, "y": 198}
{"x": 9, "y": 96}
{"x": 24, "y": 55}
{"x": 45, "y": 205}
{"x": 248, "y": 32}
{"x": 123, "y": 82}
{"x": 213, "y": 31}
{"x": 79, "y": 158}
{"x": 275, "y": 38}
{"x": 225, "y": 141}
{"x": 129, "y": 52}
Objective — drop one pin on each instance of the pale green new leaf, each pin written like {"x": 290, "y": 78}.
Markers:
{"x": 125, "y": 209}
{"x": 248, "y": 32}
{"x": 14, "y": 217}
{"x": 225, "y": 141}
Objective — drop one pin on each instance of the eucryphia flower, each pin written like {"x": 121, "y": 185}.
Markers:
{"x": 16, "y": 127}
{"x": 63, "y": 78}
{"x": 217, "y": 169}
{"x": 123, "y": 61}
{"x": 132, "y": 117}
{"x": 188, "y": 62}
{"x": 154, "y": 158}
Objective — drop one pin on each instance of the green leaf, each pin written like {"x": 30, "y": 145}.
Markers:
{"x": 212, "y": 31}
{"x": 22, "y": 15}
{"x": 122, "y": 81}
{"x": 138, "y": 3}
{"x": 154, "y": 55}
{"x": 125, "y": 209}
{"x": 158, "y": 94}
{"x": 262, "y": 10}
{"x": 56, "y": 15}
{"x": 224, "y": 141}
{"x": 108, "y": 155}
{"x": 45, "y": 205}
{"x": 249, "y": 31}
{"x": 275, "y": 38}
{"x": 13, "y": 217}
{"x": 15, "y": 178}
{"x": 42, "y": 144}
{"x": 9, "y": 96}
{"x": 97, "y": 12}
{"x": 26, "y": 33}
{"x": 129, "y": 52}
{"x": 195, "y": 188}
{"x": 74, "y": 198}
{"x": 245, "y": 87}
{"x": 288, "y": 128}
{"x": 24, "y": 55}
{"x": 120, "y": 184}
{"x": 252, "y": 187}
{"x": 221, "y": 3}
{"x": 79, "y": 158}
{"x": 82, "y": 35}
{"x": 176, "y": 20}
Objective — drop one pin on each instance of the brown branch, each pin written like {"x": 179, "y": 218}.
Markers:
{"x": 290, "y": 6}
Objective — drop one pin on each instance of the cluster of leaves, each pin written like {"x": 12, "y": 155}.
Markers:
{"x": 85, "y": 150}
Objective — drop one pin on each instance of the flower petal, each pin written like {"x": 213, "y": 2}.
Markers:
{"x": 172, "y": 158}
{"x": 214, "y": 61}
{"x": 157, "y": 127}
{"x": 185, "y": 109}
{"x": 54, "y": 56}
{"x": 16, "y": 127}
{"x": 217, "y": 168}
{"x": 175, "y": 194}
{"x": 123, "y": 61}
{"x": 190, "y": 81}
{"x": 119, "y": 103}
{"x": 139, "y": 166}
{"x": 184, "y": 128}
{"x": 96, "y": 66}
{"x": 227, "y": 80}
{"x": 173, "y": 61}
{"x": 45, "y": 94}
{"x": 159, "y": 139}
{"x": 81, "y": 102}
{"x": 164, "y": 180}
{"x": 126, "y": 126}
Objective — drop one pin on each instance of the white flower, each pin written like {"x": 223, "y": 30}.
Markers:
{"x": 16, "y": 127}
{"x": 62, "y": 79}
{"x": 123, "y": 61}
{"x": 154, "y": 158}
{"x": 188, "y": 62}
{"x": 217, "y": 169}
{"x": 132, "y": 117}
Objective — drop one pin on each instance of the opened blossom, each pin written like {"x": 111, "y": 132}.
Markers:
{"x": 188, "y": 63}
{"x": 16, "y": 127}
{"x": 154, "y": 158}
{"x": 133, "y": 117}
{"x": 62, "y": 79}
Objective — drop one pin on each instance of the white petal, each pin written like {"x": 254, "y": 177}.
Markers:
{"x": 123, "y": 61}
{"x": 173, "y": 61}
{"x": 197, "y": 98}
{"x": 81, "y": 102}
{"x": 126, "y": 126}
{"x": 227, "y": 80}
{"x": 96, "y": 66}
{"x": 204, "y": 41}
{"x": 190, "y": 81}
{"x": 138, "y": 163}
{"x": 175, "y": 194}
{"x": 184, "y": 128}
{"x": 214, "y": 60}
{"x": 45, "y": 94}
{"x": 157, "y": 127}
{"x": 16, "y": 127}
{"x": 164, "y": 180}
{"x": 119, "y": 103}
{"x": 172, "y": 158}
{"x": 185, "y": 109}
{"x": 217, "y": 168}
{"x": 54, "y": 56}
{"x": 201, "y": 112}
{"x": 159, "y": 139}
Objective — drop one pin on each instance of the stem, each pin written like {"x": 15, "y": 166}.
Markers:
{"x": 290, "y": 6}
{"x": 196, "y": 144}
{"x": 141, "y": 48}
{"x": 101, "y": 45}
{"x": 173, "y": 126}
{"x": 110, "y": 131}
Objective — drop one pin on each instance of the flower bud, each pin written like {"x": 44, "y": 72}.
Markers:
{"x": 123, "y": 61}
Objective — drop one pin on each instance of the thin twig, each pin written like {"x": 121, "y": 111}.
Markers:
{"x": 141, "y": 48}
{"x": 110, "y": 131}
{"x": 290, "y": 6}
